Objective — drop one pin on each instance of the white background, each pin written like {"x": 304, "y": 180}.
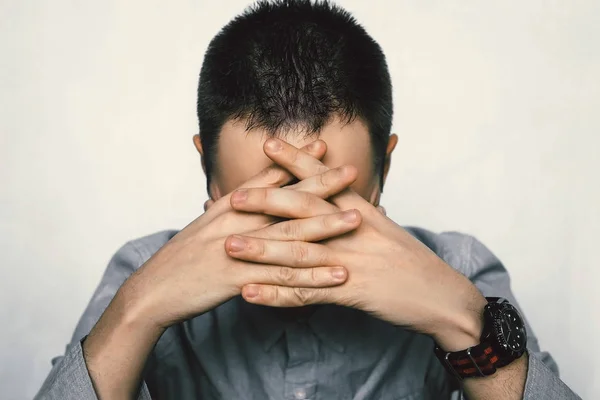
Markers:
{"x": 496, "y": 105}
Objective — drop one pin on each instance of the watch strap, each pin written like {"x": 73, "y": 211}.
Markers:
{"x": 479, "y": 360}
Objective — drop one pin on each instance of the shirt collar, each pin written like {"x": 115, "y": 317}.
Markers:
{"x": 330, "y": 323}
{"x": 264, "y": 322}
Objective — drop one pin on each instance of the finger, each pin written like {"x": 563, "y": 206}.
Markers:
{"x": 317, "y": 277}
{"x": 300, "y": 163}
{"x": 303, "y": 166}
{"x": 281, "y": 296}
{"x": 272, "y": 176}
{"x": 329, "y": 183}
{"x": 295, "y": 254}
{"x": 276, "y": 176}
{"x": 280, "y": 202}
{"x": 312, "y": 229}
{"x": 381, "y": 209}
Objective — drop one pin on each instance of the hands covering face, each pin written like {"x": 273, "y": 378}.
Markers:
{"x": 390, "y": 273}
{"x": 316, "y": 241}
{"x": 192, "y": 274}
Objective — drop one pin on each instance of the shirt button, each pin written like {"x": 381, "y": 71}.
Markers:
{"x": 300, "y": 394}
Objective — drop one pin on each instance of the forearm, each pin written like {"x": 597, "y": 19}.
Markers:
{"x": 459, "y": 330}
{"x": 117, "y": 348}
{"x": 534, "y": 376}
{"x": 508, "y": 383}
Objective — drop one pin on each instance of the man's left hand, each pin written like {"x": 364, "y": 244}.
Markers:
{"x": 392, "y": 275}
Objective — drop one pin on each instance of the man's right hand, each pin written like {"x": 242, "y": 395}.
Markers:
{"x": 192, "y": 273}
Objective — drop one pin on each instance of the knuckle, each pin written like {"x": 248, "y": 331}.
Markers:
{"x": 286, "y": 274}
{"x": 290, "y": 230}
{"x": 306, "y": 201}
{"x": 294, "y": 156}
{"x": 300, "y": 253}
{"x": 256, "y": 248}
{"x": 261, "y": 250}
{"x": 328, "y": 223}
{"x": 321, "y": 169}
{"x": 269, "y": 295}
{"x": 314, "y": 276}
{"x": 272, "y": 296}
{"x": 272, "y": 175}
{"x": 322, "y": 181}
{"x": 303, "y": 296}
{"x": 340, "y": 173}
{"x": 323, "y": 257}
{"x": 265, "y": 196}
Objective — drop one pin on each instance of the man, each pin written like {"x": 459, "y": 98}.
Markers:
{"x": 294, "y": 284}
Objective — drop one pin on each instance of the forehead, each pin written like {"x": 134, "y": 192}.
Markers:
{"x": 240, "y": 152}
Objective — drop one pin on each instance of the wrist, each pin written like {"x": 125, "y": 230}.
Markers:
{"x": 461, "y": 328}
{"x": 135, "y": 310}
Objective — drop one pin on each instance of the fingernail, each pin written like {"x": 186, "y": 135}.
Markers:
{"x": 349, "y": 216}
{"x": 312, "y": 146}
{"x": 273, "y": 145}
{"x": 338, "y": 273}
{"x": 239, "y": 196}
{"x": 251, "y": 291}
{"x": 236, "y": 243}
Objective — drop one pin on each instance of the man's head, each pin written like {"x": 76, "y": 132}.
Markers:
{"x": 298, "y": 70}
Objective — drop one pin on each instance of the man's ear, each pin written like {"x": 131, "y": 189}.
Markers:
{"x": 392, "y": 142}
{"x": 198, "y": 146}
{"x": 213, "y": 190}
{"x": 378, "y": 188}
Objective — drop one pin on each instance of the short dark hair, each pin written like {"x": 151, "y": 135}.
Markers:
{"x": 282, "y": 64}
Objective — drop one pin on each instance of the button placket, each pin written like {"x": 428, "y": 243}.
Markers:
{"x": 300, "y": 374}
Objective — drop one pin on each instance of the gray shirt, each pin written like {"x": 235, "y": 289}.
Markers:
{"x": 244, "y": 351}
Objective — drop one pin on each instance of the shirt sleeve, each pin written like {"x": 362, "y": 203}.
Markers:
{"x": 69, "y": 378}
{"x": 489, "y": 275}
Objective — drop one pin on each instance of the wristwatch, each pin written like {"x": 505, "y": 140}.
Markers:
{"x": 503, "y": 340}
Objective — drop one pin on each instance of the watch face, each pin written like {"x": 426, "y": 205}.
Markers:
{"x": 512, "y": 335}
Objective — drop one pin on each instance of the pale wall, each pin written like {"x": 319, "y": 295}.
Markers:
{"x": 497, "y": 109}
